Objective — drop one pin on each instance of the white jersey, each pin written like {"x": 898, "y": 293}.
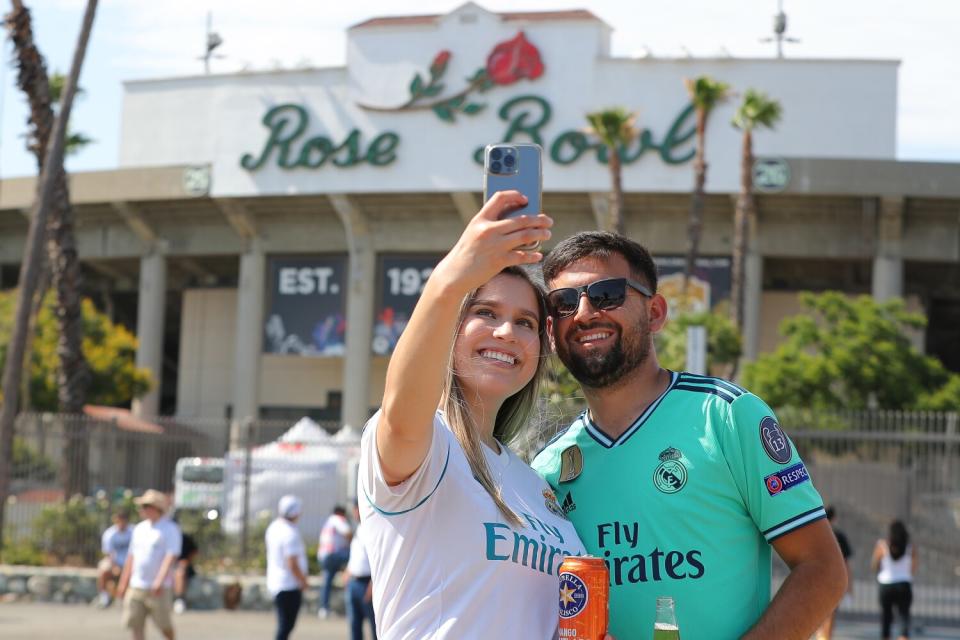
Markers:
{"x": 283, "y": 542}
{"x": 443, "y": 561}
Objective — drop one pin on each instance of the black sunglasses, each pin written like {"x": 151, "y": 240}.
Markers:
{"x": 604, "y": 295}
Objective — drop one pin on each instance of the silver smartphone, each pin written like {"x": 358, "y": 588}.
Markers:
{"x": 515, "y": 167}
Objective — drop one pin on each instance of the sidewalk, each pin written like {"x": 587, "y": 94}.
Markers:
{"x": 41, "y": 621}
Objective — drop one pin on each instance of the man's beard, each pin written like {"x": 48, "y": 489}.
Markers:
{"x": 600, "y": 370}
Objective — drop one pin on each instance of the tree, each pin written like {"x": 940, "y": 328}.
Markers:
{"x": 111, "y": 350}
{"x": 848, "y": 353}
{"x": 705, "y": 93}
{"x": 615, "y": 129}
{"x": 31, "y": 73}
{"x": 756, "y": 111}
{"x": 76, "y": 140}
{"x": 723, "y": 341}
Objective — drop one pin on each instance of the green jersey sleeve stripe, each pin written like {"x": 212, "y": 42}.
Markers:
{"x": 794, "y": 523}
{"x": 717, "y": 382}
{"x": 427, "y": 497}
{"x": 720, "y": 393}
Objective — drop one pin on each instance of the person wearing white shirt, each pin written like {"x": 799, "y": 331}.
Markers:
{"x": 286, "y": 564}
{"x": 146, "y": 584}
{"x": 332, "y": 552}
{"x": 359, "y": 588}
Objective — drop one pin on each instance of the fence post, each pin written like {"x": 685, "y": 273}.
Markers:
{"x": 247, "y": 465}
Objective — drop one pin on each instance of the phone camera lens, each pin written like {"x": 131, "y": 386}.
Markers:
{"x": 509, "y": 161}
{"x": 496, "y": 167}
{"x": 496, "y": 153}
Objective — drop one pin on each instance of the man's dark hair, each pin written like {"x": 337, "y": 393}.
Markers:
{"x": 340, "y": 510}
{"x": 601, "y": 244}
{"x": 831, "y": 512}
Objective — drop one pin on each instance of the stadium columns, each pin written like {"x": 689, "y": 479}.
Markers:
{"x": 250, "y": 294}
{"x": 888, "y": 254}
{"x": 360, "y": 310}
{"x": 151, "y": 303}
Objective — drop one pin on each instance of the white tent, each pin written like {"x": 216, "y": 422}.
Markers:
{"x": 305, "y": 461}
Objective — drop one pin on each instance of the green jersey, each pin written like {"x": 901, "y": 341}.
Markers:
{"x": 685, "y": 503}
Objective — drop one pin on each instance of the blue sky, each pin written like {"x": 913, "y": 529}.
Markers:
{"x": 135, "y": 39}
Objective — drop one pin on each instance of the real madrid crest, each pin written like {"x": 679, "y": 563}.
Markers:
{"x": 670, "y": 475}
{"x": 550, "y": 501}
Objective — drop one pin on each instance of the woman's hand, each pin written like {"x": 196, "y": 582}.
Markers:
{"x": 488, "y": 244}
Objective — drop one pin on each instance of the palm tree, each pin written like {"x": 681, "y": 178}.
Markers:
{"x": 705, "y": 93}
{"x": 615, "y": 129}
{"x": 756, "y": 111}
{"x": 48, "y": 138}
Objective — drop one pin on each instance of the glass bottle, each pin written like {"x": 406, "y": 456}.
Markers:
{"x": 665, "y": 627}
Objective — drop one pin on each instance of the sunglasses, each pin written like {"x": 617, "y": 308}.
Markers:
{"x": 604, "y": 295}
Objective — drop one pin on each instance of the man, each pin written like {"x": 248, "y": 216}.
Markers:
{"x": 148, "y": 572}
{"x": 359, "y": 587}
{"x": 682, "y": 483}
{"x": 332, "y": 552}
{"x": 286, "y": 564}
{"x": 114, "y": 543}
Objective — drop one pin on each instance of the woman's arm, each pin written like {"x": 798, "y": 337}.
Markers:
{"x": 418, "y": 365}
{"x": 878, "y": 550}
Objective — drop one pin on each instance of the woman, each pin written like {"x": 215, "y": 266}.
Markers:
{"x": 464, "y": 538}
{"x": 895, "y": 560}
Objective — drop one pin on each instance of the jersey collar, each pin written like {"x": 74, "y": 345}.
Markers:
{"x": 605, "y": 440}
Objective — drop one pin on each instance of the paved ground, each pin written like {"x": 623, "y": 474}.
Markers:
{"x": 74, "y": 622}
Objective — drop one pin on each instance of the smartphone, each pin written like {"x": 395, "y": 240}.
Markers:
{"x": 515, "y": 167}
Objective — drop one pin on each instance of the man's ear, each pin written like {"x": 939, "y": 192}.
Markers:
{"x": 553, "y": 342}
{"x": 658, "y": 312}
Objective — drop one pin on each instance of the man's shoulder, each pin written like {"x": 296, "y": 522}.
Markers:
{"x": 718, "y": 389}
{"x": 549, "y": 455}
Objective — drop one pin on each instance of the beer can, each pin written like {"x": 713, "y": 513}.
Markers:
{"x": 584, "y": 598}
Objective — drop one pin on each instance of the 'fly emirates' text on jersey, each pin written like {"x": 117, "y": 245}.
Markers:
{"x": 444, "y": 564}
{"x": 685, "y": 503}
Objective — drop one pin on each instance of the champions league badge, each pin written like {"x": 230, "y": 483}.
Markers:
{"x": 550, "y": 501}
{"x": 571, "y": 463}
{"x": 573, "y": 595}
{"x": 775, "y": 441}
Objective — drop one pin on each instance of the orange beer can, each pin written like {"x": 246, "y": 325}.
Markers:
{"x": 584, "y": 598}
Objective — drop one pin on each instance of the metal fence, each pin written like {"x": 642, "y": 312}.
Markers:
{"x": 872, "y": 466}
{"x": 877, "y": 466}
{"x": 225, "y": 489}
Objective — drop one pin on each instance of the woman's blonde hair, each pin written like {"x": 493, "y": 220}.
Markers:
{"x": 513, "y": 414}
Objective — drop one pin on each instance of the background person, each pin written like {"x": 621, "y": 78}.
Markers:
{"x": 332, "y": 552}
{"x": 359, "y": 596}
{"x": 826, "y": 629}
{"x": 286, "y": 564}
{"x": 114, "y": 543}
{"x": 682, "y": 483}
{"x": 185, "y": 571}
{"x": 895, "y": 561}
{"x": 464, "y": 539}
{"x": 148, "y": 572}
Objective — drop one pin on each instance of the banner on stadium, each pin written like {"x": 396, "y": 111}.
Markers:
{"x": 709, "y": 284}
{"x": 306, "y": 305}
{"x": 400, "y": 280}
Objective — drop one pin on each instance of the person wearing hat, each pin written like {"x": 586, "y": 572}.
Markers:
{"x": 286, "y": 564}
{"x": 146, "y": 584}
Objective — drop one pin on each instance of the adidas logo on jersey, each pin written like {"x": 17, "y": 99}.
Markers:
{"x": 568, "y": 504}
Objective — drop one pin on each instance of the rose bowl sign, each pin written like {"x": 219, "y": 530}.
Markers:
{"x": 526, "y": 118}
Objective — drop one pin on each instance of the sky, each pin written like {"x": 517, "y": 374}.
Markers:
{"x": 138, "y": 39}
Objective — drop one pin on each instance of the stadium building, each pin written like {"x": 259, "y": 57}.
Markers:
{"x": 267, "y": 233}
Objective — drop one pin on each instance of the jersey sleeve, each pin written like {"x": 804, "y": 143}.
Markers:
{"x": 547, "y": 464}
{"x": 415, "y": 490}
{"x": 173, "y": 539}
{"x": 770, "y": 475}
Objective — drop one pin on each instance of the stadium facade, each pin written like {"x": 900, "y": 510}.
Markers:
{"x": 267, "y": 233}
